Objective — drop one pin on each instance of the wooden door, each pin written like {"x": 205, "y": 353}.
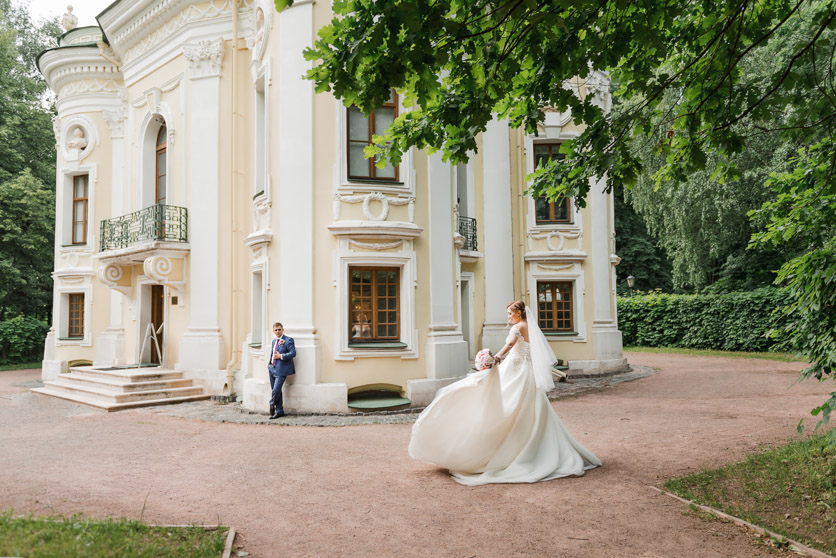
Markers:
{"x": 157, "y": 316}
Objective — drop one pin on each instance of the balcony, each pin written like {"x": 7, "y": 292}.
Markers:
{"x": 156, "y": 230}
{"x": 160, "y": 222}
{"x": 467, "y": 228}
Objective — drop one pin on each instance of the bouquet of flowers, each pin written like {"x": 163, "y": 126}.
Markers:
{"x": 484, "y": 359}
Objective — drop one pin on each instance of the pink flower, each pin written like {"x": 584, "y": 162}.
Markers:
{"x": 281, "y": 341}
{"x": 484, "y": 359}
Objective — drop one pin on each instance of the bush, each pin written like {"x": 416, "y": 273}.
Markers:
{"x": 22, "y": 340}
{"x": 727, "y": 322}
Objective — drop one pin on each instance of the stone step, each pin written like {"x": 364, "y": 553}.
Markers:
{"x": 120, "y": 385}
{"x": 155, "y": 374}
{"x": 110, "y": 396}
{"x": 111, "y": 407}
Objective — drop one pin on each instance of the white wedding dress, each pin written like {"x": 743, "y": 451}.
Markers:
{"x": 497, "y": 426}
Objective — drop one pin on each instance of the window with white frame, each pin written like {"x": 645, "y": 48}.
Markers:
{"x": 360, "y": 130}
{"x": 550, "y": 212}
{"x": 79, "y": 209}
{"x": 261, "y": 131}
{"x": 374, "y": 310}
{"x": 257, "y": 326}
{"x": 555, "y": 306}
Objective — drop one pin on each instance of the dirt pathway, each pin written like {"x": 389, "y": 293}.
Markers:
{"x": 354, "y": 491}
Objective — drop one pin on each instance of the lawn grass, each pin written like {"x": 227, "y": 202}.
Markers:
{"x": 789, "y": 489}
{"x": 35, "y": 537}
{"x": 22, "y": 366}
{"x": 783, "y": 357}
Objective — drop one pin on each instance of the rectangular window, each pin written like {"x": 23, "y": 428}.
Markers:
{"x": 80, "y": 209}
{"x": 550, "y": 212}
{"x": 75, "y": 326}
{"x": 360, "y": 132}
{"x": 554, "y": 306}
{"x": 374, "y": 314}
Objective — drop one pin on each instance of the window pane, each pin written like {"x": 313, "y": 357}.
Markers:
{"x": 161, "y": 136}
{"x": 78, "y": 232}
{"x": 78, "y": 213}
{"x": 393, "y": 331}
{"x": 358, "y": 125}
{"x": 542, "y": 209}
{"x": 358, "y": 165}
{"x": 561, "y": 210}
{"x": 161, "y": 158}
{"x": 386, "y": 172}
{"x": 383, "y": 118}
{"x": 161, "y": 189}
{"x": 79, "y": 187}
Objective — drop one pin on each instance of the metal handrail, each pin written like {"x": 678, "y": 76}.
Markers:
{"x": 155, "y": 222}
{"x": 467, "y": 228}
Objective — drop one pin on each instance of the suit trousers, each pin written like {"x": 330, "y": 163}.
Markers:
{"x": 276, "y": 382}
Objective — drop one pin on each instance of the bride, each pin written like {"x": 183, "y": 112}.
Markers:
{"x": 497, "y": 426}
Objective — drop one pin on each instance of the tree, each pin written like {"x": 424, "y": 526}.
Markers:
{"x": 459, "y": 63}
{"x": 640, "y": 254}
{"x": 27, "y": 217}
{"x": 27, "y": 166}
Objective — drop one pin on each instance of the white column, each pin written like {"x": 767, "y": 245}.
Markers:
{"x": 296, "y": 192}
{"x": 499, "y": 260}
{"x": 446, "y": 348}
{"x": 202, "y": 346}
{"x": 606, "y": 338}
{"x": 110, "y": 344}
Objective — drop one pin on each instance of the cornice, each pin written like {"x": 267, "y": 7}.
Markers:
{"x": 64, "y": 66}
{"x": 136, "y": 28}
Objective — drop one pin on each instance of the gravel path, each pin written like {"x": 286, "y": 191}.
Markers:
{"x": 354, "y": 491}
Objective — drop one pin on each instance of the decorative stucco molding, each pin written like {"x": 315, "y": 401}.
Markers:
{"x": 376, "y": 245}
{"x": 205, "y": 58}
{"x": 116, "y": 121}
{"x": 555, "y": 267}
{"x": 551, "y": 235}
{"x": 262, "y": 23}
{"x": 114, "y": 276}
{"x": 367, "y": 199}
{"x": 166, "y": 270}
{"x": 259, "y": 239}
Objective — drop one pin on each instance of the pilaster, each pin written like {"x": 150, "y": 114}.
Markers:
{"x": 202, "y": 347}
{"x": 446, "y": 348}
{"x": 499, "y": 269}
{"x": 296, "y": 193}
{"x": 605, "y": 337}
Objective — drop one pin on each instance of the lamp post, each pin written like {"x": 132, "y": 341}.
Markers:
{"x": 630, "y": 282}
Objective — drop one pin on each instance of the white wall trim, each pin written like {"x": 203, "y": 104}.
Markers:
{"x": 406, "y": 169}
{"x": 570, "y": 272}
{"x": 405, "y": 260}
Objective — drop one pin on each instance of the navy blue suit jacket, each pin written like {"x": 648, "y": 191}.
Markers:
{"x": 283, "y": 367}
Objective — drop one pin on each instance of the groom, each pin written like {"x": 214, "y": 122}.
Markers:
{"x": 282, "y": 351}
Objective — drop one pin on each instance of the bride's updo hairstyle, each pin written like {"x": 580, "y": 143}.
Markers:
{"x": 518, "y": 306}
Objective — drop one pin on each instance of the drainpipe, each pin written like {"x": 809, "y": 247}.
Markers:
{"x": 233, "y": 188}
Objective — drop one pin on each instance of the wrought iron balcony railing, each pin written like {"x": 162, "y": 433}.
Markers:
{"x": 157, "y": 222}
{"x": 467, "y": 228}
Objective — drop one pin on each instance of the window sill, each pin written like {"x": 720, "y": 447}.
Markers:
{"x": 258, "y": 195}
{"x": 560, "y": 333}
{"x": 370, "y": 180}
{"x": 390, "y": 345}
{"x": 71, "y": 338}
{"x": 81, "y": 245}
{"x": 254, "y": 345}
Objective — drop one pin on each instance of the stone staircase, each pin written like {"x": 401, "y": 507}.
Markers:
{"x": 116, "y": 389}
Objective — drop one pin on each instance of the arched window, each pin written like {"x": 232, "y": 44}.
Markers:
{"x": 161, "y": 189}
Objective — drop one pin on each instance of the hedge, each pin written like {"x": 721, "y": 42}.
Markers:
{"x": 22, "y": 340}
{"x": 729, "y": 322}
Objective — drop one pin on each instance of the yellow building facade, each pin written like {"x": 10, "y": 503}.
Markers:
{"x": 204, "y": 192}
